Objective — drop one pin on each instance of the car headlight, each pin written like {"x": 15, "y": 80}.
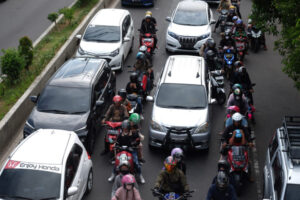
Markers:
{"x": 172, "y": 34}
{"x": 114, "y": 53}
{"x": 202, "y": 128}
{"x": 82, "y": 132}
{"x": 205, "y": 36}
{"x": 156, "y": 126}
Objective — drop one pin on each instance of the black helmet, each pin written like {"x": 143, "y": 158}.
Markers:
{"x": 211, "y": 43}
{"x": 133, "y": 77}
{"x": 223, "y": 165}
{"x": 122, "y": 92}
{"x": 210, "y": 54}
{"x": 222, "y": 180}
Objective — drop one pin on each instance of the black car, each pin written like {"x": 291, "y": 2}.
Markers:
{"x": 74, "y": 99}
{"x": 137, "y": 2}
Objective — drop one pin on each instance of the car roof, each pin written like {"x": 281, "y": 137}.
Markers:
{"x": 46, "y": 146}
{"x": 192, "y": 5}
{"x": 77, "y": 72}
{"x": 183, "y": 69}
{"x": 109, "y": 17}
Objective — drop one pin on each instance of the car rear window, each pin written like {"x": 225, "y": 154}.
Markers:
{"x": 96, "y": 33}
{"x": 185, "y": 96}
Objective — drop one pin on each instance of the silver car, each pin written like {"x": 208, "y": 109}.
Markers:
{"x": 180, "y": 115}
{"x": 282, "y": 168}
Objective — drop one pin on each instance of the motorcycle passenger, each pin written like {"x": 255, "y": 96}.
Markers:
{"x": 171, "y": 179}
{"x": 148, "y": 26}
{"x": 231, "y": 110}
{"x": 134, "y": 120}
{"x": 177, "y": 154}
{"x": 142, "y": 66}
{"x": 238, "y": 99}
{"x": 243, "y": 78}
{"x": 148, "y": 55}
{"x": 239, "y": 29}
{"x": 131, "y": 139}
{"x": 128, "y": 191}
{"x": 224, "y": 166}
{"x": 116, "y": 112}
{"x": 123, "y": 169}
{"x": 122, "y": 93}
{"x": 222, "y": 189}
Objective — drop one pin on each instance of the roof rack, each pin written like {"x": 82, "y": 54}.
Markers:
{"x": 291, "y": 125}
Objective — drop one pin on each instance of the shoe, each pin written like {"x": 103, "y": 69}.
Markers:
{"x": 141, "y": 178}
{"x": 104, "y": 152}
{"x": 142, "y": 160}
{"x": 112, "y": 177}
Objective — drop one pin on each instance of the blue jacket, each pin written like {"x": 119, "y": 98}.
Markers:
{"x": 215, "y": 194}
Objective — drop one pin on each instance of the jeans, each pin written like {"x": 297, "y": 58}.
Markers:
{"x": 136, "y": 162}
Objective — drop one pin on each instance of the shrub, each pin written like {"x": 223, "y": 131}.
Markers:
{"x": 83, "y": 2}
{"x": 68, "y": 13}
{"x": 26, "y": 50}
{"x": 53, "y": 17}
{"x": 12, "y": 63}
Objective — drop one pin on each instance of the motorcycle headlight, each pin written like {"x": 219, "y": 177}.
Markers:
{"x": 202, "y": 128}
{"x": 156, "y": 126}
{"x": 114, "y": 53}
{"x": 173, "y": 35}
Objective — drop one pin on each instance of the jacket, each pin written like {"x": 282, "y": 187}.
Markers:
{"x": 123, "y": 194}
{"x": 215, "y": 194}
{"x": 116, "y": 114}
{"x": 118, "y": 183}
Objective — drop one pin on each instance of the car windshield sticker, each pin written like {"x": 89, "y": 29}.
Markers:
{"x": 12, "y": 164}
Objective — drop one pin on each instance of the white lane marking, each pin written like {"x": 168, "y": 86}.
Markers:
{"x": 256, "y": 169}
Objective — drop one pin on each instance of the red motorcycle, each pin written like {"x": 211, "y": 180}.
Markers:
{"x": 147, "y": 40}
{"x": 239, "y": 165}
{"x": 123, "y": 154}
{"x": 112, "y": 132}
{"x": 240, "y": 43}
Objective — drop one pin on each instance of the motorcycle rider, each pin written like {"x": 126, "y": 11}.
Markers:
{"x": 222, "y": 189}
{"x": 131, "y": 139}
{"x": 238, "y": 99}
{"x": 148, "y": 55}
{"x": 212, "y": 61}
{"x": 224, "y": 5}
{"x": 231, "y": 110}
{"x": 171, "y": 179}
{"x": 237, "y": 4}
{"x": 242, "y": 77}
{"x": 251, "y": 25}
{"x": 210, "y": 44}
{"x": 122, "y": 93}
{"x": 224, "y": 166}
{"x": 128, "y": 191}
{"x": 227, "y": 40}
{"x": 238, "y": 138}
{"x": 177, "y": 154}
{"x": 148, "y": 26}
{"x": 141, "y": 65}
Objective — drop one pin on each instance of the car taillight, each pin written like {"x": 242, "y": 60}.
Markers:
{"x": 89, "y": 157}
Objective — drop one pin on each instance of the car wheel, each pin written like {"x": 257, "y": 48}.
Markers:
{"x": 89, "y": 183}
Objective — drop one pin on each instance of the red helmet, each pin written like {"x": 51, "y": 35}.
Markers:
{"x": 234, "y": 108}
{"x": 117, "y": 99}
{"x": 170, "y": 163}
{"x": 128, "y": 179}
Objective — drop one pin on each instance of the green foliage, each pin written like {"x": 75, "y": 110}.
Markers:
{"x": 282, "y": 17}
{"x": 68, "y": 13}
{"x": 53, "y": 17}
{"x": 83, "y": 2}
{"x": 12, "y": 63}
{"x": 26, "y": 50}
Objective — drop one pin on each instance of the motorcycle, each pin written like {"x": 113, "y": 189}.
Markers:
{"x": 222, "y": 19}
{"x": 148, "y": 41}
{"x": 255, "y": 37}
{"x": 172, "y": 195}
{"x": 217, "y": 86}
{"x": 136, "y": 107}
{"x": 123, "y": 154}
{"x": 112, "y": 132}
{"x": 239, "y": 166}
{"x": 170, "y": 143}
{"x": 229, "y": 25}
{"x": 228, "y": 60}
{"x": 241, "y": 47}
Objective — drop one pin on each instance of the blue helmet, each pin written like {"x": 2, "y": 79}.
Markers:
{"x": 140, "y": 55}
{"x": 238, "y": 134}
{"x": 235, "y": 18}
{"x": 239, "y": 22}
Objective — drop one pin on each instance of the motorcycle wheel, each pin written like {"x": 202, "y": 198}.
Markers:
{"x": 256, "y": 45}
{"x": 221, "y": 98}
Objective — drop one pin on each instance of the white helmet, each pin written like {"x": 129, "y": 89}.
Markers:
{"x": 249, "y": 21}
{"x": 143, "y": 49}
{"x": 237, "y": 117}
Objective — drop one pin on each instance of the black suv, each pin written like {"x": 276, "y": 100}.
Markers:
{"x": 74, "y": 99}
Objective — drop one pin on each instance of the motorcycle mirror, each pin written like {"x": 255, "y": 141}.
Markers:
{"x": 149, "y": 99}
{"x": 168, "y": 19}
{"x": 213, "y": 101}
{"x": 78, "y": 36}
{"x": 126, "y": 39}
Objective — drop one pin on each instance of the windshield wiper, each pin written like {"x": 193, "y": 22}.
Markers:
{"x": 48, "y": 198}
{"x": 54, "y": 111}
{"x": 78, "y": 112}
{"x": 14, "y": 197}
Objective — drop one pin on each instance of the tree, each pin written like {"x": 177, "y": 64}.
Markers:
{"x": 53, "y": 17}
{"x": 26, "y": 50}
{"x": 12, "y": 63}
{"x": 68, "y": 13}
{"x": 282, "y": 18}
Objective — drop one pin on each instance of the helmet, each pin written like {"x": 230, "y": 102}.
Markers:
{"x": 222, "y": 180}
{"x": 234, "y": 108}
{"x": 238, "y": 64}
{"x": 210, "y": 54}
{"x": 239, "y": 22}
{"x": 237, "y": 92}
{"x": 140, "y": 55}
{"x": 133, "y": 77}
{"x": 126, "y": 124}
{"x": 237, "y": 85}
{"x": 122, "y": 93}
{"x": 170, "y": 163}
{"x": 234, "y": 18}
{"x": 237, "y": 117}
{"x": 231, "y": 7}
{"x": 135, "y": 118}
{"x": 148, "y": 13}
{"x": 242, "y": 69}
{"x": 211, "y": 43}
{"x": 147, "y": 16}
{"x": 177, "y": 153}
{"x": 117, "y": 99}
{"x": 128, "y": 179}
{"x": 143, "y": 48}
{"x": 223, "y": 164}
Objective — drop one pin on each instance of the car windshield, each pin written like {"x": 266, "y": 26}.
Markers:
{"x": 190, "y": 17}
{"x": 291, "y": 192}
{"x": 64, "y": 100}
{"x": 183, "y": 96}
{"x": 29, "y": 184}
{"x": 96, "y": 33}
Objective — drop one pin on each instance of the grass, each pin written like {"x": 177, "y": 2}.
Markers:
{"x": 43, "y": 53}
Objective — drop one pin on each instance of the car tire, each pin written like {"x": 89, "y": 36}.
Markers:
{"x": 89, "y": 183}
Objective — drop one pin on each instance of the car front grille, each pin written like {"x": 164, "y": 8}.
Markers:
{"x": 188, "y": 42}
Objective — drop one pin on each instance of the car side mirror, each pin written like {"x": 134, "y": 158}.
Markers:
{"x": 213, "y": 101}
{"x": 72, "y": 190}
{"x": 168, "y": 19}
{"x": 99, "y": 103}
{"x": 34, "y": 99}
{"x": 126, "y": 39}
{"x": 149, "y": 99}
{"x": 78, "y": 36}
{"x": 212, "y": 21}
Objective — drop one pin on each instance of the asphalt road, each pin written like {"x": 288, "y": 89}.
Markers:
{"x": 274, "y": 97}
{"x": 20, "y": 18}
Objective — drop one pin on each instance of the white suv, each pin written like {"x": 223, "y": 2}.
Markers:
{"x": 48, "y": 164}
{"x": 180, "y": 114}
{"x": 109, "y": 35}
{"x": 190, "y": 27}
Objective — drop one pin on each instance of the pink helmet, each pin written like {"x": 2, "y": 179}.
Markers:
{"x": 128, "y": 179}
{"x": 176, "y": 151}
